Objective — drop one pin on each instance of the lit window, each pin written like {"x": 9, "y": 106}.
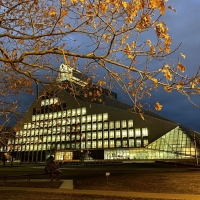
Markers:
{"x": 29, "y": 125}
{"x": 37, "y": 117}
{"x": 88, "y": 118}
{"x": 59, "y": 114}
{"x": 144, "y": 132}
{"x": 105, "y": 125}
{"x": 78, "y": 111}
{"x": 49, "y": 139}
{"x": 63, "y": 121}
{"x": 64, "y": 113}
{"x": 83, "y": 145}
{"x": 130, "y": 133}
{"x": 117, "y": 124}
{"x": 88, "y": 144}
{"x": 99, "y": 117}
{"x": 33, "y": 117}
{"x": 68, "y": 112}
{"x": 41, "y": 116}
{"x": 99, "y": 126}
{"x": 112, "y": 134}
{"x": 130, "y": 123}
{"x": 138, "y": 142}
{"x": 105, "y": 116}
{"x": 50, "y": 115}
{"x": 111, "y": 125}
{"x": 100, "y": 144}
{"x": 88, "y": 136}
{"x": 94, "y": 126}
{"x": 137, "y": 132}
{"x": 94, "y": 135}
{"x": 105, "y": 134}
{"x": 54, "y": 115}
{"x": 112, "y": 143}
{"x": 124, "y": 133}
{"x": 105, "y": 143}
{"x": 73, "y": 120}
{"x": 123, "y": 123}
{"x": 99, "y": 134}
{"x": 58, "y": 137}
{"x": 118, "y": 143}
{"x": 44, "y": 146}
{"x": 63, "y": 138}
{"x": 88, "y": 127}
{"x": 131, "y": 142}
{"x": 25, "y": 126}
{"x": 118, "y": 135}
{"x": 83, "y": 111}
{"x": 124, "y": 143}
{"x": 83, "y": 127}
{"x": 94, "y": 144}
{"x": 53, "y": 138}
{"x": 73, "y": 112}
{"x": 94, "y": 118}
{"x": 145, "y": 142}
{"x": 83, "y": 119}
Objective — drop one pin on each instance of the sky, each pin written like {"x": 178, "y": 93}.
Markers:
{"x": 184, "y": 26}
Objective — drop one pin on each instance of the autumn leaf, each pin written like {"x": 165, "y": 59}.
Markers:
{"x": 183, "y": 55}
{"x": 181, "y": 67}
{"x": 158, "y": 106}
{"x": 171, "y": 8}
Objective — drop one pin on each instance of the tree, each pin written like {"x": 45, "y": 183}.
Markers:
{"x": 110, "y": 35}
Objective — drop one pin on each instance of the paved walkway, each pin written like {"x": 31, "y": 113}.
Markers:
{"x": 67, "y": 187}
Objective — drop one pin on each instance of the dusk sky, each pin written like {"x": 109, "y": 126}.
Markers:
{"x": 184, "y": 27}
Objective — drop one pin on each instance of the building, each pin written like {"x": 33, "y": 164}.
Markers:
{"x": 94, "y": 125}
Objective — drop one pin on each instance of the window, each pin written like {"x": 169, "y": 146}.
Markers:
{"x": 83, "y": 120}
{"x": 144, "y": 132}
{"x": 88, "y": 144}
{"x": 94, "y": 118}
{"x": 83, "y": 111}
{"x": 137, "y": 132}
{"x": 68, "y": 113}
{"x": 111, "y": 125}
{"x": 54, "y": 115}
{"x": 105, "y": 143}
{"x": 112, "y": 143}
{"x": 59, "y": 114}
{"x": 73, "y": 120}
{"x": 99, "y": 134}
{"x": 94, "y": 135}
{"x": 99, "y": 125}
{"x": 94, "y": 144}
{"x": 131, "y": 142}
{"x": 64, "y": 113}
{"x": 88, "y": 127}
{"x": 82, "y": 145}
{"x": 94, "y": 126}
{"x": 138, "y": 142}
{"x": 99, "y": 117}
{"x": 88, "y": 136}
{"x": 73, "y": 112}
{"x": 105, "y": 125}
{"x": 100, "y": 144}
{"x": 88, "y": 118}
{"x": 124, "y": 133}
{"x": 124, "y": 143}
{"x": 123, "y": 123}
{"x": 105, "y": 134}
{"x": 78, "y": 111}
{"x": 130, "y": 123}
{"x": 130, "y": 133}
{"x": 33, "y": 117}
{"x": 117, "y": 124}
{"x": 112, "y": 134}
{"x": 145, "y": 141}
{"x": 118, "y": 135}
{"x": 105, "y": 116}
{"x": 118, "y": 143}
{"x": 83, "y": 127}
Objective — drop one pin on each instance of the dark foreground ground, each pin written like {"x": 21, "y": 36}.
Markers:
{"x": 153, "y": 178}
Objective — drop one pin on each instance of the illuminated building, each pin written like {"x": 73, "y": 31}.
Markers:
{"x": 73, "y": 128}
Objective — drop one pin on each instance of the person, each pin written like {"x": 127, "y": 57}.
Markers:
{"x": 3, "y": 159}
{"x": 52, "y": 169}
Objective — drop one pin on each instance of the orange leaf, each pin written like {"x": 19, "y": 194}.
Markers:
{"x": 181, "y": 67}
{"x": 158, "y": 106}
